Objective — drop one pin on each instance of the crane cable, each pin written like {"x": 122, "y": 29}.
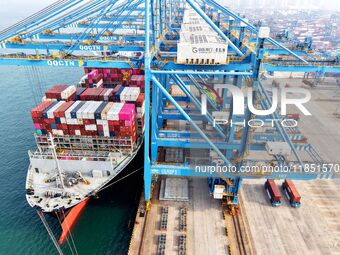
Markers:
{"x": 73, "y": 243}
{"x": 135, "y": 171}
{"x": 68, "y": 242}
{"x": 29, "y": 19}
{"x": 31, "y": 85}
{"x": 38, "y": 75}
{"x": 49, "y": 231}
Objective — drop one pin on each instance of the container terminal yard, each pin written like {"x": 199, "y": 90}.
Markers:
{"x": 237, "y": 121}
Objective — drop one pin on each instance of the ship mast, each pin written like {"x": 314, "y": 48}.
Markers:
{"x": 54, "y": 153}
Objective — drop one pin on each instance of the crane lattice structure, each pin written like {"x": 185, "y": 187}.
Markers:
{"x": 109, "y": 33}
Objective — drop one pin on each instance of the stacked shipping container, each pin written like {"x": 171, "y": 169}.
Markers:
{"x": 109, "y": 77}
{"x": 61, "y": 92}
{"x": 108, "y": 112}
{"x": 86, "y": 118}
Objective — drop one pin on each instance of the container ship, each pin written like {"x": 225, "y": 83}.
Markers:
{"x": 86, "y": 134}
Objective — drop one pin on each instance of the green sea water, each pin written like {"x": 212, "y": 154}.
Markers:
{"x": 105, "y": 225}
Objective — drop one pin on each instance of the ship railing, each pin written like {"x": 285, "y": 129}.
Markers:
{"x": 70, "y": 156}
{"x": 23, "y": 55}
{"x": 29, "y": 180}
{"x": 84, "y": 144}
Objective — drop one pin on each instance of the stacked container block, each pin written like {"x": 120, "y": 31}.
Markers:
{"x": 114, "y": 76}
{"x": 107, "y": 112}
{"x": 61, "y": 92}
{"x": 94, "y": 79}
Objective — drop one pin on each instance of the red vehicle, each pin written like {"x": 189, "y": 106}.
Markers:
{"x": 294, "y": 116}
{"x": 291, "y": 192}
{"x": 273, "y": 192}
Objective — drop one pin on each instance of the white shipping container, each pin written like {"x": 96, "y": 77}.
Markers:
{"x": 77, "y": 132}
{"x": 278, "y": 148}
{"x": 85, "y": 109}
{"x": 93, "y": 109}
{"x": 106, "y": 95}
{"x": 89, "y": 112}
{"x": 69, "y": 110}
{"x": 106, "y": 131}
{"x": 140, "y": 109}
{"x": 123, "y": 95}
{"x": 81, "y": 110}
{"x": 202, "y": 50}
{"x": 68, "y": 92}
{"x": 74, "y": 121}
{"x": 134, "y": 93}
{"x": 99, "y": 83}
{"x": 105, "y": 124}
{"x": 113, "y": 113}
{"x": 92, "y": 127}
{"x": 105, "y": 110}
{"x": 50, "y": 112}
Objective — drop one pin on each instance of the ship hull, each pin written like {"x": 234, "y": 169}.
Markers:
{"x": 130, "y": 164}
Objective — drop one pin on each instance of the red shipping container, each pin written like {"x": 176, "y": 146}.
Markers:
{"x": 37, "y": 111}
{"x": 136, "y": 71}
{"x": 292, "y": 191}
{"x": 74, "y": 127}
{"x": 89, "y": 122}
{"x": 49, "y": 121}
{"x": 60, "y": 111}
{"x": 38, "y": 120}
{"x": 274, "y": 192}
{"x": 137, "y": 80}
{"x": 91, "y": 94}
{"x": 95, "y": 79}
{"x": 116, "y": 77}
{"x": 93, "y": 74}
{"x": 140, "y": 100}
{"x": 55, "y": 91}
{"x": 113, "y": 122}
{"x": 102, "y": 93}
{"x": 71, "y": 97}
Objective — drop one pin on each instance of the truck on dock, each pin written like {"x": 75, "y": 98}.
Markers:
{"x": 291, "y": 192}
{"x": 273, "y": 192}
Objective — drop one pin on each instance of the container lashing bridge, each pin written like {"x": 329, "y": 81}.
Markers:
{"x": 163, "y": 36}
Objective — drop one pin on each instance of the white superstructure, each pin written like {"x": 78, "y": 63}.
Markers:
{"x": 59, "y": 178}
